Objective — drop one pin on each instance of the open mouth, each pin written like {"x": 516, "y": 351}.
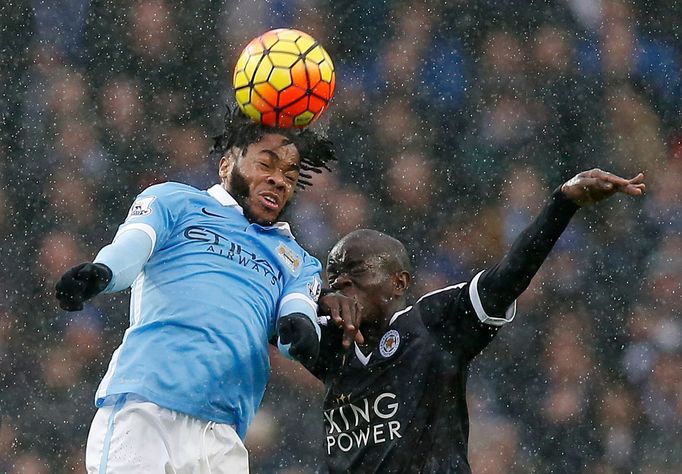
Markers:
{"x": 269, "y": 200}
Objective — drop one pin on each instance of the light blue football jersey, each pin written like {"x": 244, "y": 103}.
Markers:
{"x": 206, "y": 303}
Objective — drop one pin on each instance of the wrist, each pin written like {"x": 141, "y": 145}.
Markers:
{"x": 104, "y": 276}
{"x": 303, "y": 323}
{"x": 326, "y": 291}
{"x": 562, "y": 203}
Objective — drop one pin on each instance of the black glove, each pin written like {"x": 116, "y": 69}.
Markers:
{"x": 299, "y": 331}
{"x": 81, "y": 283}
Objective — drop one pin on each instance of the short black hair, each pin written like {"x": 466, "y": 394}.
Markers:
{"x": 241, "y": 131}
{"x": 391, "y": 250}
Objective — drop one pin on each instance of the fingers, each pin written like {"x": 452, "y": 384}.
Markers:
{"x": 68, "y": 295}
{"x": 606, "y": 181}
{"x": 70, "y": 289}
{"x": 341, "y": 317}
{"x": 635, "y": 186}
{"x": 351, "y": 314}
{"x": 637, "y": 179}
{"x": 346, "y": 313}
{"x": 608, "y": 177}
{"x": 634, "y": 189}
{"x": 335, "y": 313}
{"x": 71, "y": 304}
{"x": 617, "y": 180}
{"x": 84, "y": 274}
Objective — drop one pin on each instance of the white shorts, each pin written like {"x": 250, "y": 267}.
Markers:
{"x": 136, "y": 436}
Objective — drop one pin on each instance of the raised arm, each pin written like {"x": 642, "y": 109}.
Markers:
{"x": 149, "y": 223}
{"x": 114, "y": 269}
{"x": 499, "y": 286}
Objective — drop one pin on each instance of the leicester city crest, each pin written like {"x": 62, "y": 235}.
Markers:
{"x": 389, "y": 343}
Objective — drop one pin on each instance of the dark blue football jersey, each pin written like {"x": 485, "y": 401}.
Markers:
{"x": 401, "y": 408}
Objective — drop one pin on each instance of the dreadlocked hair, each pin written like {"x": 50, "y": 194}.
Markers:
{"x": 240, "y": 131}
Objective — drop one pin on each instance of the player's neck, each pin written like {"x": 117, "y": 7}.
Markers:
{"x": 373, "y": 332}
{"x": 372, "y": 335}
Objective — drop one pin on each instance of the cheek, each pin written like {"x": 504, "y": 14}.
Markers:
{"x": 375, "y": 291}
{"x": 290, "y": 193}
{"x": 252, "y": 178}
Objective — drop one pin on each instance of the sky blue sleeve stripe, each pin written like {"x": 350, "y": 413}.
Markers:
{"x": 284, "y": 349}
{"x": 126, "y": 256}
{"x": 299, "y": 303}
{"x": 110, "y": 431}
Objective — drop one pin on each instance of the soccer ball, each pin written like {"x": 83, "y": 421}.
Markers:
{"x": 284, "y": 78}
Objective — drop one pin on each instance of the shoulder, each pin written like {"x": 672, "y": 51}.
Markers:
{"x": 287, "y": 242}
{"x": 169, "y": 195}
{"x": 434, "y": 306}
{"x": 170, "y": 188}
{"x": 442, "y": 294}
{"x": 296, "y": 258}
{"x": 308, "y": 259}
{"x": 167, "y": 199}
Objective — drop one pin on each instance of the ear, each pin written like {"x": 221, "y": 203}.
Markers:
{"x": 401, "y": 282}
{"x": 227, "y": 162}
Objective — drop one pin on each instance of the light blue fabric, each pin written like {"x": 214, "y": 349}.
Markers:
{"x": 205, "y": 303}
{"x": 106, "y": 447}
{"x": 125, "y": 257}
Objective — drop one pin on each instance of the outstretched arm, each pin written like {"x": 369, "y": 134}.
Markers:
{"x": 499, "y": 286}
{"x": 114, "y": 269}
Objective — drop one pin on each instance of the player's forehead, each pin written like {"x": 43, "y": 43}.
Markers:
{"x": 279, "y": 144}
{"x": 356, "y": 251}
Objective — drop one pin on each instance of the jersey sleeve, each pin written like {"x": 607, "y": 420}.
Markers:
{"x": 154, "y": 213}
{"x": 302, "y": 291}
{"x": 331, "y": 349}
{"x": 149, "y": 222}
{"x": 456, "y": 318}
{"x": 125, "y": 257}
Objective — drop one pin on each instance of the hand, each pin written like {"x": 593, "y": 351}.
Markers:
{"x": 81, "y": 283}
{"x": 346, "y": 313}
{"x": 299, "y": 331}
{"x": 592, "y": 186}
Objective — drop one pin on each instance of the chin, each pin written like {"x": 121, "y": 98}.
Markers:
{"x": 258, "y": 218}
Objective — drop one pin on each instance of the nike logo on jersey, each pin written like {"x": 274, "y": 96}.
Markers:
{"x": 209, "y": 213}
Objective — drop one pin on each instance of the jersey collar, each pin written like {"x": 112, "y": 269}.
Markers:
{"x": 398, "y": 313}
{"x": 221, "y": 195}
{"x": 364, "y": 359}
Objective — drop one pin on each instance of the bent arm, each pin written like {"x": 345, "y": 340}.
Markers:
{"x": 125, "y": 257}
{"x": 499, "y": 286}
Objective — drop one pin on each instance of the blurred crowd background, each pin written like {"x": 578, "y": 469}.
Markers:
{"x": 453, "y": 121}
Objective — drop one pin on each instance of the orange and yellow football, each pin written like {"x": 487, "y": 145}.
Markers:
{"x": 284, "y": 78}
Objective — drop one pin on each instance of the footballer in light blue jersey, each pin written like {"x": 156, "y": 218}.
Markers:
{"x": 205, "y": 304}
{"x": 214, "y": 276}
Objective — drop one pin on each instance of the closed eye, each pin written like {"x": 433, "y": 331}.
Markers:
{"x": 358, "y": 271}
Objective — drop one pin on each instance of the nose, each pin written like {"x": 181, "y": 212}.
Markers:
{"x": 342, "y": 282}
{"x": 277, "y": 179}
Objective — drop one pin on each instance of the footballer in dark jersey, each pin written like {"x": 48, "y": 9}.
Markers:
{"x": 397, "y": 402}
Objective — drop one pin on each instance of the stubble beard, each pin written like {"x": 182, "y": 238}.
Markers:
{"x": 239, "y": 189}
